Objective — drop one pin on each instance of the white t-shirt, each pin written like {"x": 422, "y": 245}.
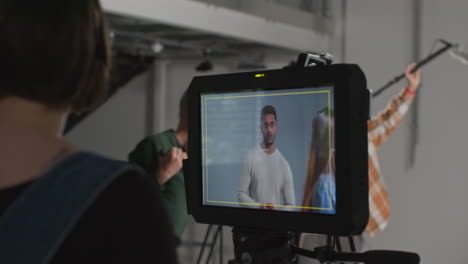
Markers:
{"x": 265, "y": 178}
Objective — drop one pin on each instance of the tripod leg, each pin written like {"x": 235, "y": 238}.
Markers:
{"x": 204, "y": 244}
{"x": 338, "y": 244}
{"x": 329, "y": 241}
{"x": 351, "y": 244}
{"x": 213, "y": 245}
{"x": 221, "y": 245}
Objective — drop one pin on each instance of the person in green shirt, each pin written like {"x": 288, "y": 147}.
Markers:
{"x": 162, "y": 155}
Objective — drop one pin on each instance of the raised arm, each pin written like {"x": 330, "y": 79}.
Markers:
{"x": 166, "y": 170}
{"x": 382, "y": 125}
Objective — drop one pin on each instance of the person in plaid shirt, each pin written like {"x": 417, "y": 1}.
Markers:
{"x": 379, "y": 128}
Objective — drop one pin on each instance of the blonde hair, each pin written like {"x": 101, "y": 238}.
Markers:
{"x": 321, "y": 159}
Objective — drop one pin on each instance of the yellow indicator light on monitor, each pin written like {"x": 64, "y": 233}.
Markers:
{"x": 259, "y": 75}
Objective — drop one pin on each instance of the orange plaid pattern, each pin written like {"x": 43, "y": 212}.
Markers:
{"x": 379, "y": 128}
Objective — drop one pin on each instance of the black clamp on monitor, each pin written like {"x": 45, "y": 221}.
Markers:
{"x": 312, "y": 59}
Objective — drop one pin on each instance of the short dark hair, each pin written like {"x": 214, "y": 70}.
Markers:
{"x": 268, "y": 110}
{"x": 54, "y": 52}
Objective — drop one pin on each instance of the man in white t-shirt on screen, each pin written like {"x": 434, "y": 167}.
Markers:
{"x": 266, "y": 179}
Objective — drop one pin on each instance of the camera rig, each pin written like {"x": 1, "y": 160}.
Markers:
{"x": 274, "y": 235}
{"x": 255, "y": 246}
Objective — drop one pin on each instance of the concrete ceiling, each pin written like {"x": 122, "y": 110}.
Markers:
{"x": 193, "y": 29}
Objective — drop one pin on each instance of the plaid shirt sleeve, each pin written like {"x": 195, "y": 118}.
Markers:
{"x": 379, "y": 128}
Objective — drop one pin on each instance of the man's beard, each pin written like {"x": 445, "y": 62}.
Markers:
{"x": 268, "y": 144}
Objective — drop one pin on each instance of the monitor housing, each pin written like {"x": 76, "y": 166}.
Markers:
{"x": 348, "y": 98}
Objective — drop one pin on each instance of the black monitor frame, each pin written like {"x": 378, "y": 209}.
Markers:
{"x": 351, "y": 106}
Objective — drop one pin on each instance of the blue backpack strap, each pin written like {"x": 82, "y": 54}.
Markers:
{"x": 33, "y": 228}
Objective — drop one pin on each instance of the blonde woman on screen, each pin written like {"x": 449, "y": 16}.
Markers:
{"x": 319, "y": 188}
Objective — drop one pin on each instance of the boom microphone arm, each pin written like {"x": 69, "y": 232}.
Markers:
{"x": 430, "y": 57}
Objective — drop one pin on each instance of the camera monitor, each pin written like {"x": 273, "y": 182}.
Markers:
{"x": 280, "y": 150}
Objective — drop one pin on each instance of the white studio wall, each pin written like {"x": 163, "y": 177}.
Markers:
{"x": 428, "y": 200}
{"x": 379, "y": 39}
{"x": 115, "y": 127}
{"x": 440, "y": 183}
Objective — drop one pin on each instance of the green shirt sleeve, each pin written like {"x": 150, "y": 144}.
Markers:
{"x": 145, "y": 155}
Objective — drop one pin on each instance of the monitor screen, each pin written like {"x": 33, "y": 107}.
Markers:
{"x": 269, "y": 149}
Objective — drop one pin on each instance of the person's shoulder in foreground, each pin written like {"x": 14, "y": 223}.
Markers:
{"x": 67, "y": 64}
{"x": 126, "y": 224}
